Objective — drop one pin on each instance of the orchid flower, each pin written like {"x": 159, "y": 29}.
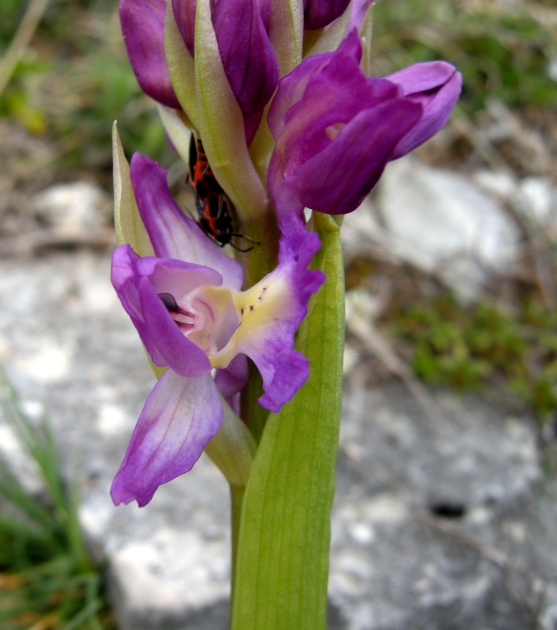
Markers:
{"x": 249, "y": 60}
{"x": 188, "y": 308}
{"x": 336, "y": 129}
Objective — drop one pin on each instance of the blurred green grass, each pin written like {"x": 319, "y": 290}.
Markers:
{"x": 47, "y": 579}
{"x": 75, "y": 77}
{"x": 469, "y": 347}
{"x": 505, "y": 51}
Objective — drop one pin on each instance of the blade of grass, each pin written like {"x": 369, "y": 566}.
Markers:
{"x": 21, "y": 40}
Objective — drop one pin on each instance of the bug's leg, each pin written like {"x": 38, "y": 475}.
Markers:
{"x": 221, "y": 207}
{"x": 246, "y": 238}
{"x": 239, "y": 249}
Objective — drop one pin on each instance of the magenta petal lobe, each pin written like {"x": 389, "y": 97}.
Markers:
{"x": 437, "y": 102}
{"x": 319, "y": 13}
{"x": 273, "y": 310}
{"x": 249, "y": 60}
{"x": 139, "y": 283}
{"x": 143, "y": 29}
{"x": 172, "y": 233}
{"x": 336, "y": 129}
{"x": 363, "y": 147}
{"x": 179, "y": 418}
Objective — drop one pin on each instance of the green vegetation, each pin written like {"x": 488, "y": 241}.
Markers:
{"x": 75, "y": 79}
{"x": 47, "y": 580}
{"x": 469, "y": 347}
{"x": 504, "y": 54}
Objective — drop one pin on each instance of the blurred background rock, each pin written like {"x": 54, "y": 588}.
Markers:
{"x": 445, "y": 509}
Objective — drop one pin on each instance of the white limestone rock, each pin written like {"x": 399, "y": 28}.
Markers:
{"x": 73, "y": 210}
{"x": 440, "y": 222}
{"x": 438, "y": 522}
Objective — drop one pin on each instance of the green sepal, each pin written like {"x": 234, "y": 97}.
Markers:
{"x": 127, "y": 220}
{"x": 287, "y": 33}
{"x": 221, "y": 123}
{"x": 281, "y": 575}
{"x": 181, "y": 66}
{"x": 232, "y": 449}
{"x": 366, "y": 35}
{"x": 178, "y": 130}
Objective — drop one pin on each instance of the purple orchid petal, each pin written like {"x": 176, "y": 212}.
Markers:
{"x": 180, "y": 416}
{"x": 335, "y": 129}
{"x": 363, "y": 147}
{"x": 331, "y": 100}
{"x": 172, "y": 233}
{"x": 231, "y": 380}
{"x": 139, "y": 283}
{"x": 358, "y": 13}
{"x": 273, "y": 311}
{"x": 436, "y": 86}
{"x": 143, "y": 29}
{"x": 249, "y": 60}
{"x": 335, "y": 98}
{"x": 422, "y": 77}
{"x": 292, "y": 87}
{"x": 184, "y": 14}
{"x": 319, "y": 13}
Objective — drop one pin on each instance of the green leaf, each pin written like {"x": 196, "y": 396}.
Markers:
{"x": 283, "y": 552}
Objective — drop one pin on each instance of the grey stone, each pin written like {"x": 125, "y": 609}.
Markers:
{"x": 73, "y": 210}
{"x": 534, "y": 197}
{"x": 537, "y": 201}
{"x": 66, "y": 343}
{"x": 438, "y": 522}
{"x": 438, "y": 221}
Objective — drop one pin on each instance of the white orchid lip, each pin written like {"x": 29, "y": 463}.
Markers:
{"x": 221, "y": 320}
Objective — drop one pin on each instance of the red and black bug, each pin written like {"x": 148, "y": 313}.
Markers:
{"x": 214, "y": 208}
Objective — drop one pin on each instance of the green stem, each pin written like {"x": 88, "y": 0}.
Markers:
{"x": 253, "y": 414}
{"x": 262, "y": 259}
{"x": 236, "y": 500}
{"x": 282, "y": 566}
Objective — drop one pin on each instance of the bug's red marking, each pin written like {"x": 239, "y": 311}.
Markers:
{"x": 214, "y": 208}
